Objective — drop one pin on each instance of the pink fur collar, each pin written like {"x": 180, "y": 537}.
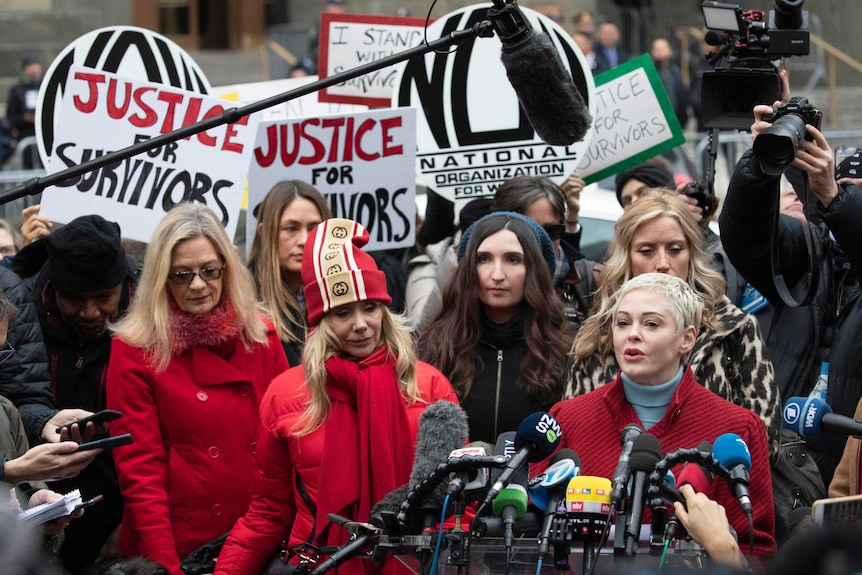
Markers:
{"x": 207, "y": 330}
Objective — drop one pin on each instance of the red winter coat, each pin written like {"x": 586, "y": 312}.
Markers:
{"x": 277, "y": 509}
{"x": 592, "y": 423}
{"x": 188, "y": 475}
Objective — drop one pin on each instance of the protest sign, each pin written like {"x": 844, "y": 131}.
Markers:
{"x": 364, "y": 163}
{"x": 634, "y": 120}
{"x": 129, "y": 51}
{"x": 350, "y": 40}
{"x": 304, "y": 106}
{"x": 104, "y": 112}
{"x": 471, "y": 131}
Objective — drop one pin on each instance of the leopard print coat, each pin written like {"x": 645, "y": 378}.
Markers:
{"x": 728, "y": 360}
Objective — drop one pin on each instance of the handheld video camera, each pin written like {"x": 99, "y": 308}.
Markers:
{"x": 747, "y": 43}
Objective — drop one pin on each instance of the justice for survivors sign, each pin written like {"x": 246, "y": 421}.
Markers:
{"x": 104, "y": 112}
{"x": 364, "y": 163}
{"x": 634, "y": 120}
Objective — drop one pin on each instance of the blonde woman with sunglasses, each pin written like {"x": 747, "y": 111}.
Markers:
{"x": 189, "y": 365}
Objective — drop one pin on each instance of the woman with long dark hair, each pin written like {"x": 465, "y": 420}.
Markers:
{"x": 500, "y": 336}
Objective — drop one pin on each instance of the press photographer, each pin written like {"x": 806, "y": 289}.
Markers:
{"x": 828, "y": 329}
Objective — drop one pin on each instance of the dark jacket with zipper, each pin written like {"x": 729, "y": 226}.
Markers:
{"x": 77, "y": 370}
{"x": 497, "y": 401}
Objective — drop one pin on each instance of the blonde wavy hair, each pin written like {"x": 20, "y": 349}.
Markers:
{"x": 323, "y": 344}
{"x": 595, "y": 335}
{"x": 147, "y": 324}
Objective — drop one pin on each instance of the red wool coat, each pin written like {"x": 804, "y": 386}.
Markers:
{"x": 188, "y": 475}
{"x": 277, "y": 508}
{"x": 592, "y": 424}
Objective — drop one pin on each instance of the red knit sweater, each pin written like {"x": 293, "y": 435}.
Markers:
{"x": 592, "y": 424}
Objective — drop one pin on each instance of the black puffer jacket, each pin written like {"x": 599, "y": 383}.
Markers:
{"x": 77, "y": 370}
{"x": 24, "y": 377}
{"x": 829, "y": 329}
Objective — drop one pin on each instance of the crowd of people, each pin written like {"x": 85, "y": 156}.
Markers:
{"x": 269, "y": 396}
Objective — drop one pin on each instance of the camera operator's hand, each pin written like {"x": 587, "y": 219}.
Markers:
{"x": 696, "y": 210}
{"x": 816, "y": 159}
{"x": 759, "y": 124}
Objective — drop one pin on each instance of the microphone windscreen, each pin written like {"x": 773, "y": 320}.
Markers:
{"x": 541, "y": 431}
{"x": 392, "y": 501}
{"x": 804, "y": 415}
{"x": 564, "y": 465}
{"x": 646, "y": 452}
{"x": 515, "y": 495}
{"x": 546, "y": 91}
{"x": 442, "y": 429}
{"x": 588, "y": 494}
{"x": 730, "y": 450}
{"x": 505, "y": 446}
{"x": 565, "y": 453}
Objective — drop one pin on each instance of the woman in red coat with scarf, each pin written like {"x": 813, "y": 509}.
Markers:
{"x": 352, "y": 406}
{"x": 189, "y": 365}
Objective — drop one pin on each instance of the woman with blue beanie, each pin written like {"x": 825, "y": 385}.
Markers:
{"x": 500, "y": 336}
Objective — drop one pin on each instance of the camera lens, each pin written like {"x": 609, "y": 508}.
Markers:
{"x": 776, "y": 146}
{"x": 788, "y": 13}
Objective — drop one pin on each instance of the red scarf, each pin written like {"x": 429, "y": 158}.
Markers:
{"x": 369, "y": 445}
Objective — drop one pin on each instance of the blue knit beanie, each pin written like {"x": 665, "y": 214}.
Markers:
{"x": 546, "y": 246}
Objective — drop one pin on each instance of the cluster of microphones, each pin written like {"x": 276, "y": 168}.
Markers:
{"x": 560, "y": 507}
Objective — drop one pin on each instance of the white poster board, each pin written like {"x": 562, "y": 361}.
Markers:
{"x": 104, "y": 112}
{"x": 351, "y": 40}
{"x": 471, "y": 132}
{"x": 634, "y": 120}
{"x": 301, "y": 107}
{"x": 364, "y": 163}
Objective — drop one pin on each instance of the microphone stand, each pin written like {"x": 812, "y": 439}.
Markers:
{"x": 483, "y": 29}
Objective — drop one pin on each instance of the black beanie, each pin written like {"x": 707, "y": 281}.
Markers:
{"x": 86, "y": 255}
{"x": 652, "y": 175}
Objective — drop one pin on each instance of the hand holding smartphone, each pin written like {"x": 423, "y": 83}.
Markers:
{"x": 107, "y": 443}
{"x": 98, "y": 418}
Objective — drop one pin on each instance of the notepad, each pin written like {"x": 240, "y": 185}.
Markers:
{"x": 50, "y": 511}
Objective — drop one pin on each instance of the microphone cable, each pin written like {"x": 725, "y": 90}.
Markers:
{"x": 603, "y": 539}
{"x": 439, "y": 544}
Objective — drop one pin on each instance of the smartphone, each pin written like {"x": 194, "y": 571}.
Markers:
{"x": 838, "y": 511}
{"x": 107, "y": 443}
{"x": 852, "y": 167}
{"x": 88, "y": 502}
{"x": 97, "y": 418}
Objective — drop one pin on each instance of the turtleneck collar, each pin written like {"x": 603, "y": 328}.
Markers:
{"x": 650, "y": 402}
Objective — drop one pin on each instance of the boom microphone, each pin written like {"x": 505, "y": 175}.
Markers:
{"x": 731, "y": 452}
{"x": 537, "y": 437}
{"x": 545, "y": 89}
{"x": 810, "y": 417}
{"x": 646, "y": 452}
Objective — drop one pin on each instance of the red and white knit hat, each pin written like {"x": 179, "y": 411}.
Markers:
{"x": 335, "y": 271}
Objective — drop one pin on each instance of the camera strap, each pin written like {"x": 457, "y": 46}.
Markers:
{"x": 814, "y": 257}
